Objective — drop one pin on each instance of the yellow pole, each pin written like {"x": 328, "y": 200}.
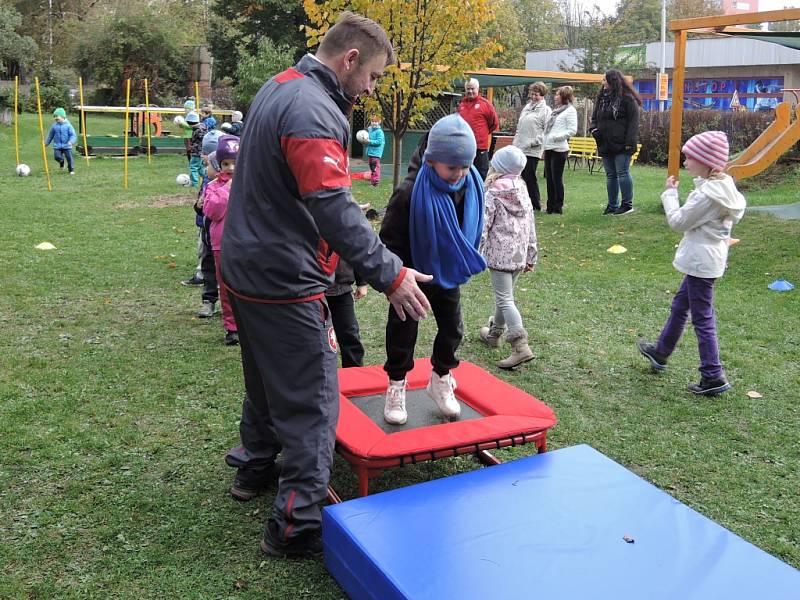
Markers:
{"x": 676, "y": 114}
{"x": 147, "y": 118}
{"x": 16, "y": 116}
{"x": 83, "y": 122}
{"x": 197, "y": 97}
{"x": 125, "y": 131}
{"x": 41, "y": 135}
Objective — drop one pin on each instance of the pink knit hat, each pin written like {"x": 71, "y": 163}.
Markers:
{"x": 710, "y": 148}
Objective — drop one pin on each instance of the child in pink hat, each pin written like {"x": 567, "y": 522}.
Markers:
{"x": 706, "y": 220}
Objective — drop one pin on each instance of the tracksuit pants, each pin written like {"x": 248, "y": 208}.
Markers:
{"x": 292, "y": 403}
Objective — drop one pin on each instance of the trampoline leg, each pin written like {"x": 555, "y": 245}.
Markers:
{"x": 543, "y": 446}
{"x": 488, "y": 458}
{"x": 363, "y": 482}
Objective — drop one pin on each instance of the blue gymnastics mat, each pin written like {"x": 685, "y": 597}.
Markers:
{"x": 549, "y": 526}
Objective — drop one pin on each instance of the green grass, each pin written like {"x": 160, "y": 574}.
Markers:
{"x": 117, "y": 404}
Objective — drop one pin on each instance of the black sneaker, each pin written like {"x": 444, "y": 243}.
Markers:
{"x": 231, "y": 338}
{"x": 710, "y": 386}
{"x": 657, "y": 360}
{"x": 308, "y": 544}
{"x": 623, "y": 210}
{"x": 254, "y": 481}
{"x": 610, "y": 210}
{"x": 195, "y": 280}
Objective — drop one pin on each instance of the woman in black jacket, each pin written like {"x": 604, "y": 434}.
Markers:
{"x": 615, "y": 126}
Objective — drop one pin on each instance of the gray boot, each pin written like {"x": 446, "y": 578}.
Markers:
{"x": 490, "y": 335}
{"x": 521, "y": 352}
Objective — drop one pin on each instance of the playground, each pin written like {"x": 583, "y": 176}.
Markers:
{"x": 118, "y": 404}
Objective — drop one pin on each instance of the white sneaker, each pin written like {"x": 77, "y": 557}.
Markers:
{"x": 394, "y": 411}
{"x": 441, "y": 390}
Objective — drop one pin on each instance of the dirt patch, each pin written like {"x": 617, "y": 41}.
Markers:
{"x": 163, "y": 201}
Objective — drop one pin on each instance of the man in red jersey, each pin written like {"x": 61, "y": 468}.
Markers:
{"x": 482, "y": 119}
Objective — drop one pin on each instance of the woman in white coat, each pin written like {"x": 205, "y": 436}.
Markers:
{"x": 530, "y": 137}
{"x": 562, "y": 125}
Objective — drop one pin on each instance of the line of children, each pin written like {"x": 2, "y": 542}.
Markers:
{"x": 215, "y": 206}
{"x": 509, "y": 246}
{"x": 434, "y": 222}
{"x": 706, "y": 220}
{"x": 62, "y": 135}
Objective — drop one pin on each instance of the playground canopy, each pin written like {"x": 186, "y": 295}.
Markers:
{"x": 489, "y": 78}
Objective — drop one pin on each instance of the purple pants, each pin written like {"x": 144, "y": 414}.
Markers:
{"x": 695, "y": 297}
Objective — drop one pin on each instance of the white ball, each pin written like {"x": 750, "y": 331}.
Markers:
{"x": 183, "y": 179}
{"x": 179, "y": 120}
{"x": 363, "y": 136}
{"x": 23, "y": 170}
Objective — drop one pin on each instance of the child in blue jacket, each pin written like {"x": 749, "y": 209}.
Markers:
{"x": 375, "y": 149}
{"x": 63, "y": 137}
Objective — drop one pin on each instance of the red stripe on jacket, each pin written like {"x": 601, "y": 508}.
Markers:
{"x": 288, "y": 75}
{"x": 316, "y": 163}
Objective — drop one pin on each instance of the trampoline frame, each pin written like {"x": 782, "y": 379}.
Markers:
{"x": 368, "y": 467}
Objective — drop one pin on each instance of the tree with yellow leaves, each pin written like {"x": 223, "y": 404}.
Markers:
{"x": 435, "y": 44}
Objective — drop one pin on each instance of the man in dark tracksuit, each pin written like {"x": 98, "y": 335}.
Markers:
{"x": 290, "y": 208}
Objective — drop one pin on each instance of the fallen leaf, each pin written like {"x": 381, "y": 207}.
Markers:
{"x": 172, "y": 265}
{"x": 754, "y": 394}
{"x": 240, "y": 585}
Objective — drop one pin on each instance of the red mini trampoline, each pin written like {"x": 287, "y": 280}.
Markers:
{"x": 494, "y": 414}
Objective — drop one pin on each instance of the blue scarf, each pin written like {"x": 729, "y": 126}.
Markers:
{"x": 439, "y": 246}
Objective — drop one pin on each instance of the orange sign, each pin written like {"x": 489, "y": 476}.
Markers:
{"x": 663, "y": 86}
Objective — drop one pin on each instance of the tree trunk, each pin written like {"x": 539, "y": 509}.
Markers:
{"x": 397, "y": 154}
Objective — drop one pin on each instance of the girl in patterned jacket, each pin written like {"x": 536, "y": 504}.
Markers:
{"x": 509, "y": 246}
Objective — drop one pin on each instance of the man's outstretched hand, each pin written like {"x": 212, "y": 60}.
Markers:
{"x": 408, "y": 299}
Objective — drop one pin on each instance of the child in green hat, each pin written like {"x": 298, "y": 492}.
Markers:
{"x": 63, "y": 137}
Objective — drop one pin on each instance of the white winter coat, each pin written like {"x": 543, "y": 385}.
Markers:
{"x": 706, "y": 219}
{"x": 565, "y": 126}
{"x": 530, "y": 129}
{"x": 508, "y": 242}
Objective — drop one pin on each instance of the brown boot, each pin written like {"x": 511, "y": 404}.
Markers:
{"x": 521, "y": 352}
{"x": 490, "y": 335}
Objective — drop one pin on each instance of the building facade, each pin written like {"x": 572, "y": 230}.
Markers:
{"x": 761, "y": 73}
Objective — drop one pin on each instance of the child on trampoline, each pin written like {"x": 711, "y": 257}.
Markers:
{"x": 706, "y": 219}
{"x": 509, "y": 246}
{"x": 433, "y": 222}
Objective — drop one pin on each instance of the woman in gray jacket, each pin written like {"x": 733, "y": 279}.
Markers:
{"x": 530, "y": 136}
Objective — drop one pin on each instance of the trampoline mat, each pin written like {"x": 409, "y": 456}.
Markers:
{"x": 422, "y": 411}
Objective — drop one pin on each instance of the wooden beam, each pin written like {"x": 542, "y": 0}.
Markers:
{"x": 787, "y": 14}
{"x": 676, "y": 113}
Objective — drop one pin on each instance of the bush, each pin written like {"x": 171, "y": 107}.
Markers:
{"x": 742, "y": 129}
